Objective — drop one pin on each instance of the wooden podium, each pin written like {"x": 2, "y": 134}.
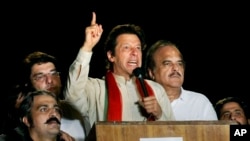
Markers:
{"x": 187, "y": 130}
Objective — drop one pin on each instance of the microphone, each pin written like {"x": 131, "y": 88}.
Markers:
{"x": 138, "y": 73}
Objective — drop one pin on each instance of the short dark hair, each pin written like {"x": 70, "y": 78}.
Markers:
{"x": 111, "y": 41}
{"x": 33, "y": 58}
{"x": 222, "y": 102}
{"x": 26, "y": 104}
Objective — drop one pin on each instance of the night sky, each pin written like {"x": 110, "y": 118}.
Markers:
{"x": 213, "y": 37}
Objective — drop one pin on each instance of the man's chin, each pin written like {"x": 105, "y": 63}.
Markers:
{"x": 52, "y": 90}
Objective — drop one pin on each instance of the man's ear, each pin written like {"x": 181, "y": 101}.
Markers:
{"x": 110, "y": 56}
{"x": 151, "y": 74}
{"x": 25, "y": 121}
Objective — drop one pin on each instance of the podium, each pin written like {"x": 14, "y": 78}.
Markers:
{"x": 187, "y": 130}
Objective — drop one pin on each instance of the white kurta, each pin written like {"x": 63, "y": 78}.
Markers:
{"x": 88, "y": 94}
{"x": 193, "y": 106}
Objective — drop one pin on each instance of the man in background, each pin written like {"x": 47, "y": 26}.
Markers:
{"x": 165, "y": 65}
{"x": 233, "y": 108}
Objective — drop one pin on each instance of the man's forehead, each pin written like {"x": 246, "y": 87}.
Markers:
{"x": 231, "y": 105}
{"x": 43, "y": 67}
{"x": 44, "y": 99}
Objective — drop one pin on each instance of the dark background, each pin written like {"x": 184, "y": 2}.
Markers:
{"x": 213, "y": 37}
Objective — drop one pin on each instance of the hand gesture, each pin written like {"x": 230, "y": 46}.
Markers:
{"x": 92, "y": 34}
{"x": 152, "y": 106}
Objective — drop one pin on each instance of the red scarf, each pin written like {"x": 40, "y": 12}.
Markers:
{"x": 114, "y": 99}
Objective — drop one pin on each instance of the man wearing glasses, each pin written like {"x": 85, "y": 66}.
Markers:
{"x": 40, "y": 73}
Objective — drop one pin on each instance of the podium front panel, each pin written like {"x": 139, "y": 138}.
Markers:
{"x": 188, "y": 130}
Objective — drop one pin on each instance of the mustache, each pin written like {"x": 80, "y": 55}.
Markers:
{"x": 175, "y": 73}
{"x": 53, "y": 119}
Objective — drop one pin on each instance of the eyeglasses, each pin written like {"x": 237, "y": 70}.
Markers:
{"x": 41, "y": 77}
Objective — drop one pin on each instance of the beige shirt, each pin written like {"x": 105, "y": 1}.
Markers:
{"x": 88, "y": 94}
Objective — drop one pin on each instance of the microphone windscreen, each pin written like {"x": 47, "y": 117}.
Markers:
{"x": 137, "y": 72}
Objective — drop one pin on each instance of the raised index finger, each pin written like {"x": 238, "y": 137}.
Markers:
{"x": 93, "y": 21}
